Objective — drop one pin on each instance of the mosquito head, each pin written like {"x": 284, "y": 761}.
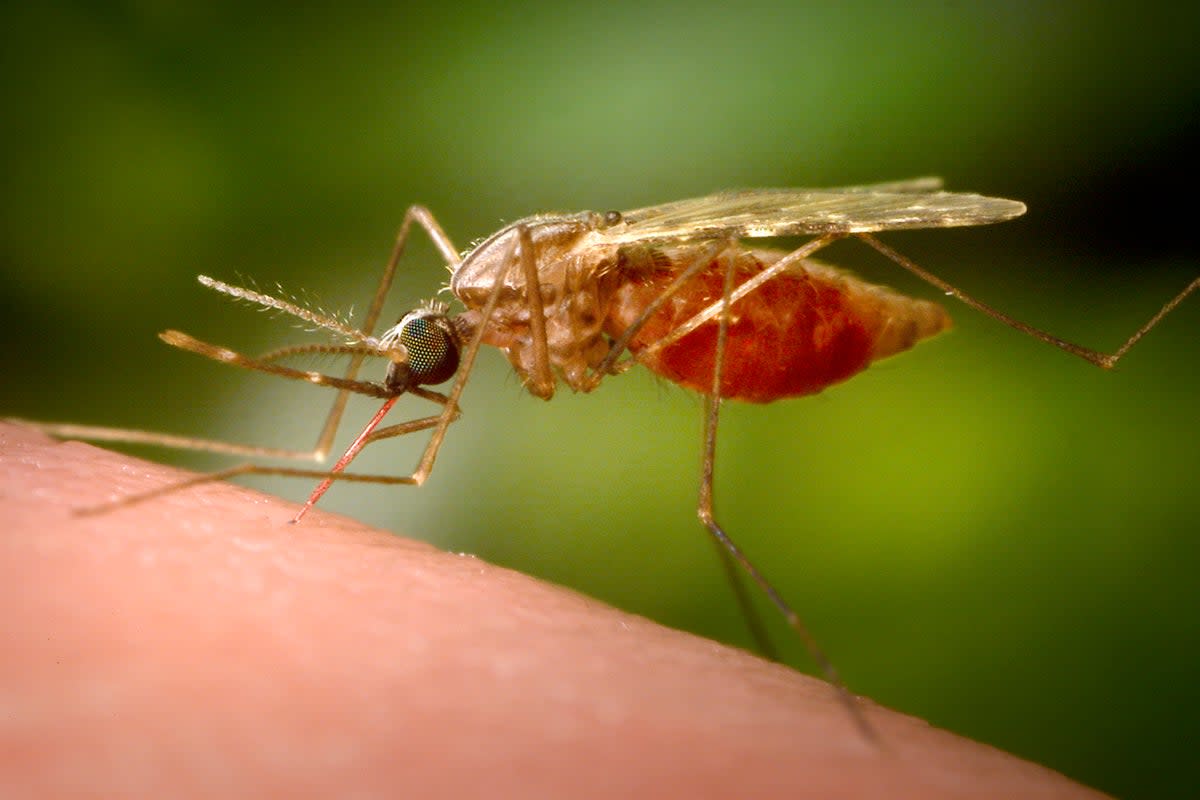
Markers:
{"x": 423, "y": 347}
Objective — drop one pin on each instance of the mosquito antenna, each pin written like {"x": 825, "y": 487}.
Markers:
{"x": 278, "y": 304}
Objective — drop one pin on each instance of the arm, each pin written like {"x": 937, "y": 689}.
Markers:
{"x": 198, "y": 643}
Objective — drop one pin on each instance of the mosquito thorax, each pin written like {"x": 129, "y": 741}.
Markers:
{"x": 555, "y": 238}
{"x": 424, "y": 348}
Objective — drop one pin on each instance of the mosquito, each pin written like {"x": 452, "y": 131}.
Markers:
{"x": 674, "y": 287}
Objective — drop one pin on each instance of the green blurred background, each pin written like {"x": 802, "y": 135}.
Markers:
{"x": 983, "y": 532}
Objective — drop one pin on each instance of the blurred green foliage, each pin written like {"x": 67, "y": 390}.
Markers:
{"x": 983, "y": 532}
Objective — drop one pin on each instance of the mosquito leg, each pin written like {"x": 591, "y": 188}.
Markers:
{"x": 1103, "y": 360}
{"x": 225, "y": 355}
{"x": 733, "y": 574}
{"x": 439, "y": 423}
{"x": 450, "y": 411}
{"x": 704, "y": 510}
{"x": 412, "y": 426}
{"x": 370, "y": 434}
{"x": 776, "y": 269}
{"x": 421, "y": 424}
{"x": 97, "y": 433}
{"x": 445, "y": 247}
{"x": 423, "y": 217}
{"x": 541, "y": 382}
{"x": 233, "y": 472}
{"x": 754, "y": 621}
{"x": 609, "y": 365}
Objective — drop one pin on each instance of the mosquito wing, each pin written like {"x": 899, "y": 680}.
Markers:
{"x": 751, "y": 213}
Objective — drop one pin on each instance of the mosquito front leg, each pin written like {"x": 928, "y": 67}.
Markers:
{"x": 232, "y": 357}
{"x": 450, "y": 410}
{"x": 423, "y": 217}
{"x": 1103, "y": 360}
{"x": 388, "y": 392}
{"x": 445, "y": 247}
{"x": 227, "y": 356}
{"x": 98, "y": 433}
{"x": 370, "y": 434}
{"x": 425, "y": 423}
{"x": 440, "y": 423}
{"x": 541, "y": 382}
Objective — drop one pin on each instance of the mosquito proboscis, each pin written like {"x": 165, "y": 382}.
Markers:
{"x": 674, "y": 287}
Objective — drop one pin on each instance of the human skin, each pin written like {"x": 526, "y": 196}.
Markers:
{"x": 199, "y": 645}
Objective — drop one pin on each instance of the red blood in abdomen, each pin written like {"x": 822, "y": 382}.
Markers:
{"x": 795, "y": 335}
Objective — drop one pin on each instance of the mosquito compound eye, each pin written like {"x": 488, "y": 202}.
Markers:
{"x": 432, "y": 351}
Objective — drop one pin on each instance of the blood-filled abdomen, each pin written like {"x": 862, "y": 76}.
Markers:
{"x": 801, "y": 331}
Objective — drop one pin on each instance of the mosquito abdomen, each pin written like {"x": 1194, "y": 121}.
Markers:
{"x": 807, "y": 329}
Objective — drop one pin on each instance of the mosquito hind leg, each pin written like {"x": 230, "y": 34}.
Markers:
{"x": 715, "y": 309}
{"x": 1099, "y": 359}
{"x": 707, "y": 516}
